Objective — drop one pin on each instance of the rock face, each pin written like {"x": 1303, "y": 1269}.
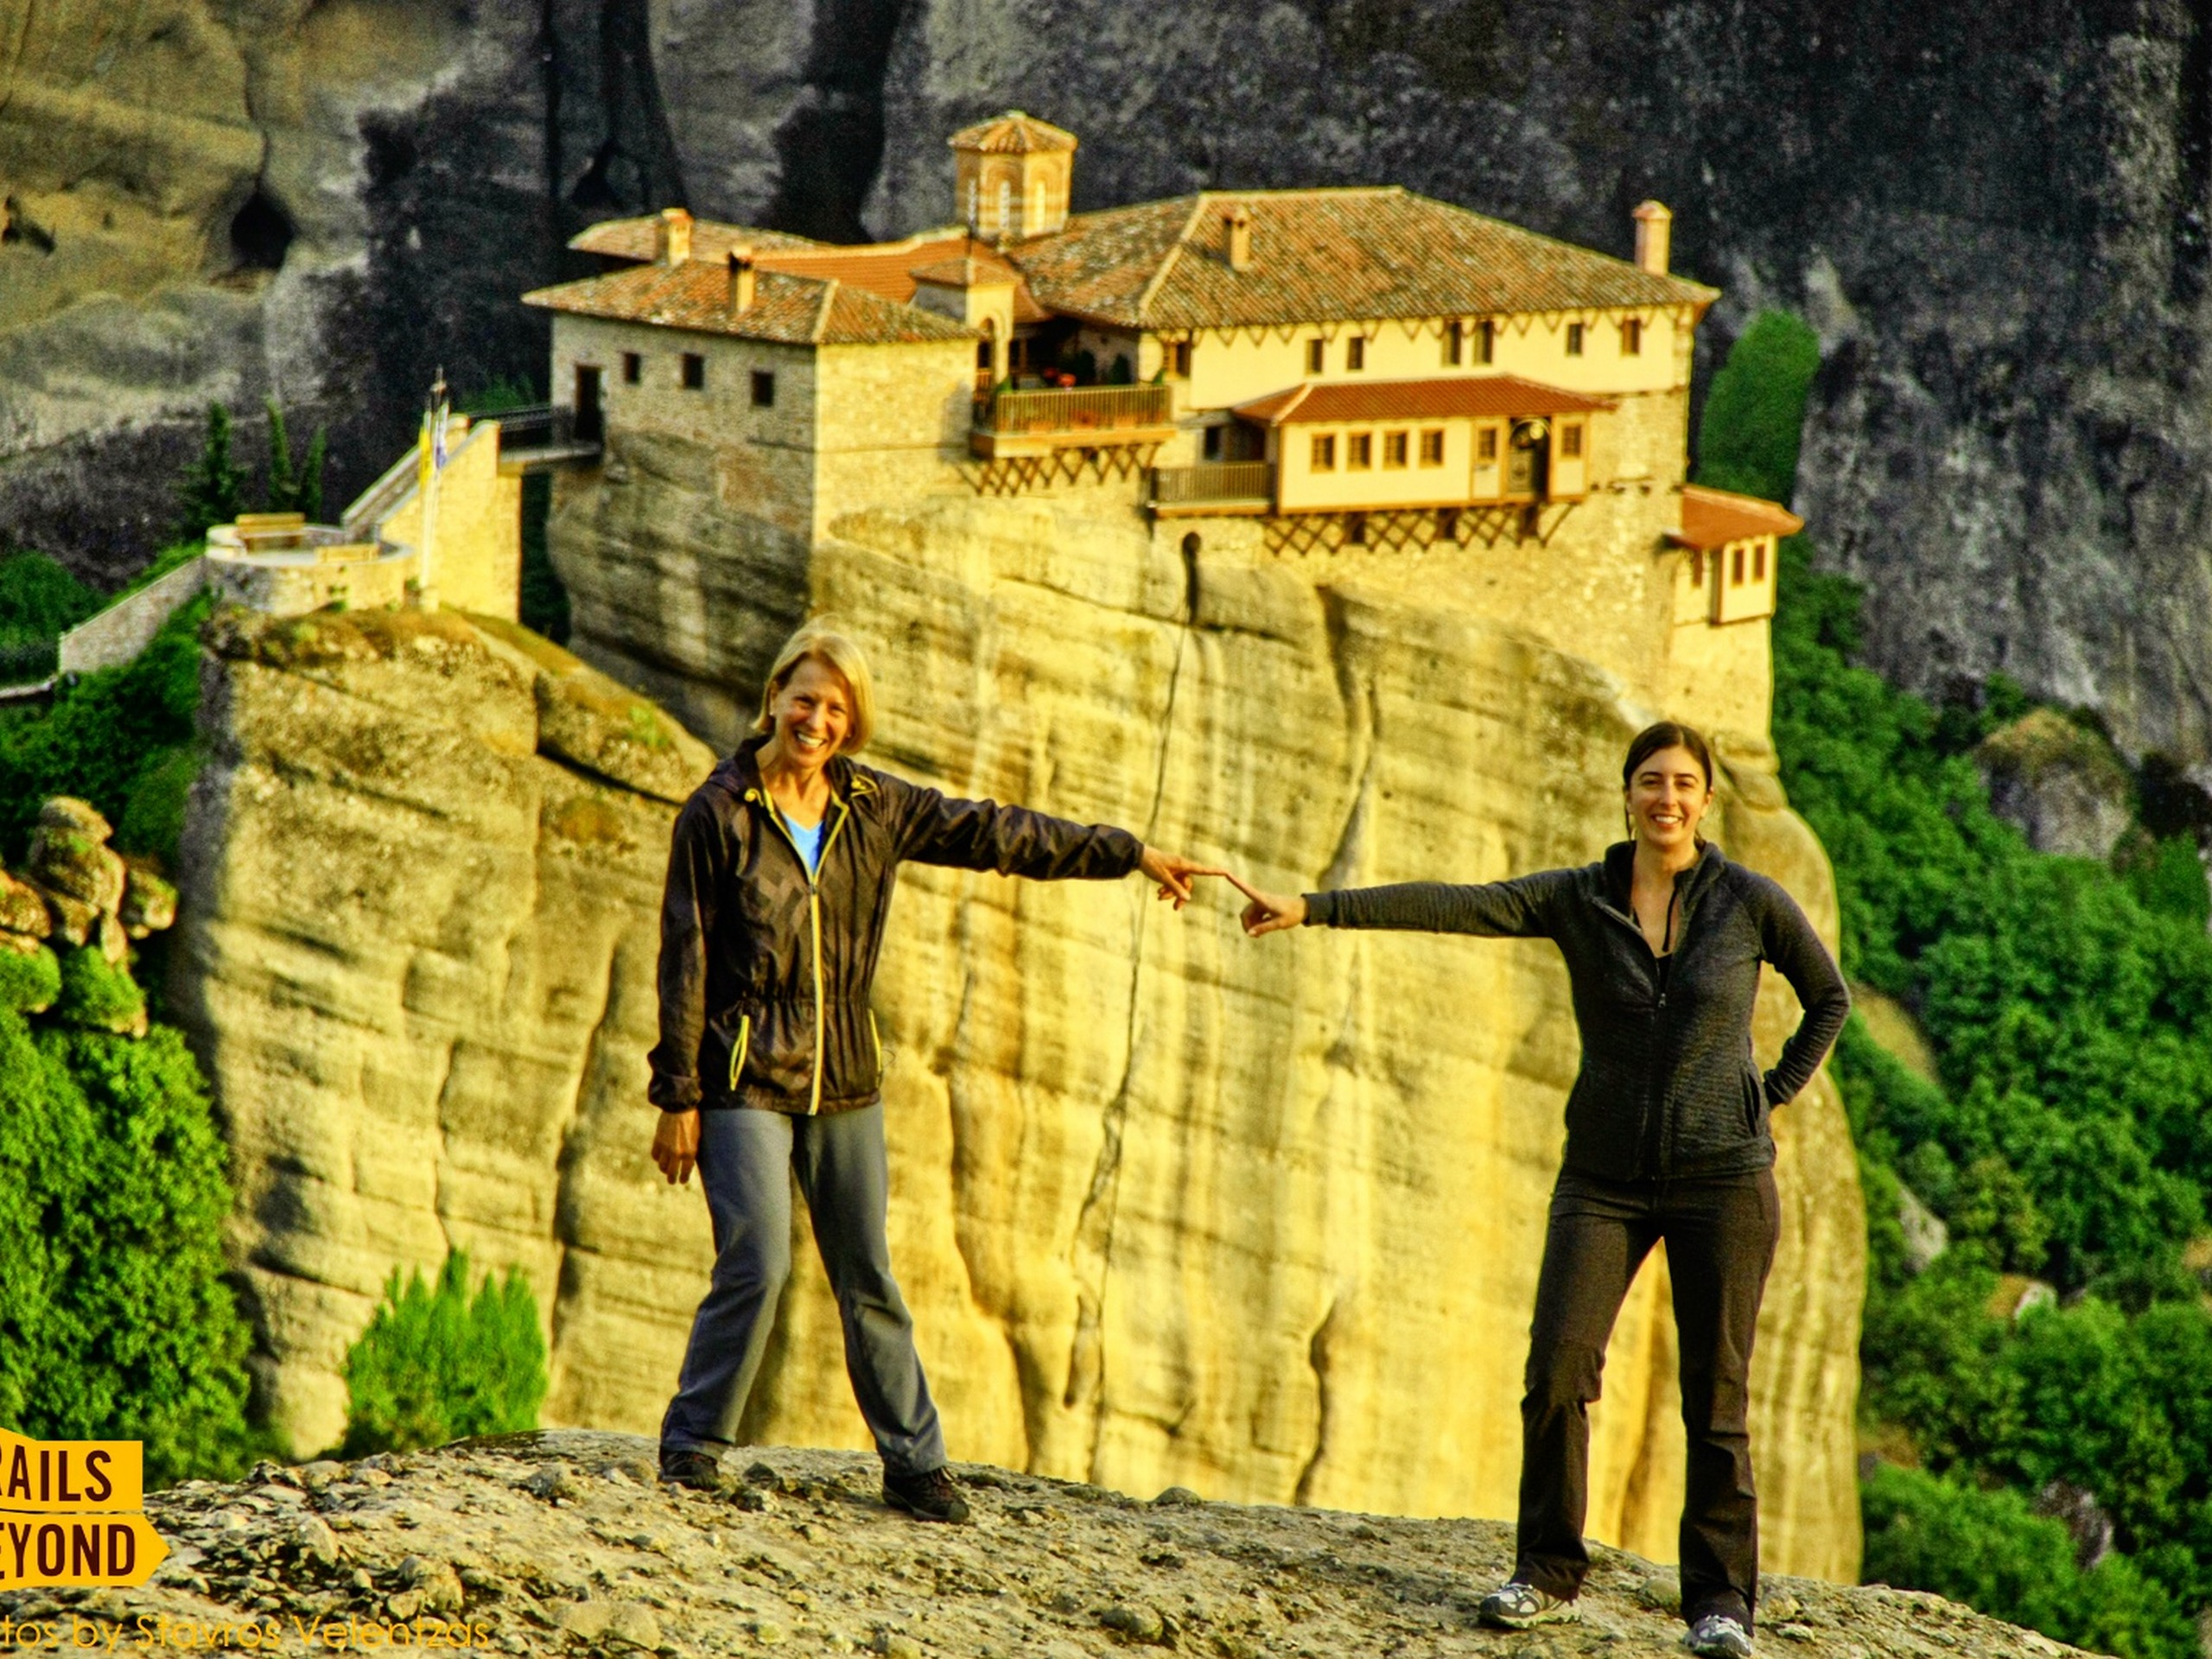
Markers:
{"x": 2001, "y": 235}
{"x": 546, "y": 1543}
{"x": 1171, "y": 1207}
{"x": 418, "y": 953}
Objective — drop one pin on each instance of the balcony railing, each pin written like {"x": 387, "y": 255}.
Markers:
{"x": 1214, "y": 484}
{"x": 537, "y": 426}
{"x": 1076, "y": 410}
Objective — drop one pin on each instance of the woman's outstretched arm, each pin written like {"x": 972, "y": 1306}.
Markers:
{"x": 1523, "y": 908}
{"x": 938, "y": 828}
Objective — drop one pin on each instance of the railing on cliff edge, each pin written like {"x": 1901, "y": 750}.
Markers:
{"x": 1075, "y": 409}
{"x": 1215, "y": 484}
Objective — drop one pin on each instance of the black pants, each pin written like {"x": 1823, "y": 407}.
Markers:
{"x": 1720, "y": 1236}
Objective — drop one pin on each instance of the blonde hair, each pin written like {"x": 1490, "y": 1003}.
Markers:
{"x": 821, "y": 640}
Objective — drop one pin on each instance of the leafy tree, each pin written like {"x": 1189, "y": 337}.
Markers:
{"x": 1755, "y": 410}
{"x": 108, "y": 735}
{"x": 1988, "y": 1549}
{"x": 40, "y": 600}
{"x": 116, "y": 1319}
{"x": 208, "y": 494}
{"x": 434, "y": 1365}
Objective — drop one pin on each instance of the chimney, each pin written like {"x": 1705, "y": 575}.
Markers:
{"x": 672, "y": 242}
{"x": 1654, "y": 231}
{"x": 1236, "y": 224}
{"x": 741, "y": 280}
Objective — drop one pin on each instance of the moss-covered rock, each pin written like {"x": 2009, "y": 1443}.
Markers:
{"x": 99, "y": 995}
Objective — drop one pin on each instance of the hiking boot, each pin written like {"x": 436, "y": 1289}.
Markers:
{"x": 930, "y": 1497}
{"x": 1718, "y": 1635}
{"x": 699, "y": 1471}
{"x": 1516, "y": 1606}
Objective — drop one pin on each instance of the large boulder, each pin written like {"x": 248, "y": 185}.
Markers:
{"x": 2060, "y": 782}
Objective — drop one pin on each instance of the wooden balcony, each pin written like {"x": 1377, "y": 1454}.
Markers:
{"x": 1214, "y": 488}
{"x": 1077, "y": 417}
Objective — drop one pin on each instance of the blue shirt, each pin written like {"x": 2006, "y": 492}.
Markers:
{"x": 808, "y": 838}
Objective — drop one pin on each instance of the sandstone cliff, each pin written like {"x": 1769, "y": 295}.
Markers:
{"x": 1171, "y": 1207}
{"x": 564, "y": 1542}
{"x": 2000, "y": 232}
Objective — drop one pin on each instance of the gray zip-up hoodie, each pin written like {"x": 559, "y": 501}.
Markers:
{"x": 1667, "y": 1087}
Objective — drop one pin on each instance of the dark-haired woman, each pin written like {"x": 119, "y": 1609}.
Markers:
{"x": 1668, "y": 1138}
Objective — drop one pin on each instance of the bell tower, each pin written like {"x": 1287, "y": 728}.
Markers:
{"x": 1011, "y": 176}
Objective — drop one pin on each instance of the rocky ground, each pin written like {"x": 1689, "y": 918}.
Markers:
{"x": 566, "y": 1542}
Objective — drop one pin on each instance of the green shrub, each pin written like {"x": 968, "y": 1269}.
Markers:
{"x": 1988, "y": 1549}
{"x": 434, "y": 1365}
{"x": 115, "y": 1320}
{"x": 40, "y": 598}
{"x": 105, "y": 735}
{"x": 152, "y": 820}
{"x": 97, "y": 994}
{"x": 1748, "y": 437}
{"x": 28, "y": 983}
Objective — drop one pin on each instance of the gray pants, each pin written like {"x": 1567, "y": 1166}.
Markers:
{"x": 747, "y": 1158}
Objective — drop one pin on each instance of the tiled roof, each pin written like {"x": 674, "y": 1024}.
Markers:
{"x": 712, "y": 241}
{"x": 1322, "y": 255}
{"x": 969, "y": 272}
{"x": 1712, "y": 518}
{"x": 1012, "y": 134}
{"x": 884, "y": 268}
{"x": 1462, "y": 396}
{"x": 790, "y": 309}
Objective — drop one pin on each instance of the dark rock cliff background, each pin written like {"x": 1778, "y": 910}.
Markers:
{"x": 1997, "y": 220}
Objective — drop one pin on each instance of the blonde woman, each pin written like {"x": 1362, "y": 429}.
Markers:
{"x": 779, "y": 883}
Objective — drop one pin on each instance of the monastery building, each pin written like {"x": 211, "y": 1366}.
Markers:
{"x": 1317, "y": 375}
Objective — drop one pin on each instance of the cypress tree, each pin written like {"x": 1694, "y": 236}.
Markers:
{"x": 283, "y": 485}
{"x": 310, "y": 496}
{"x": 208, "y": 492}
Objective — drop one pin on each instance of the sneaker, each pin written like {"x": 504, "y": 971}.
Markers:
{"x": 1516, "y": 1606}
{"x": 1716, "y": 1636}
{"x": 930, "y": 1497}
{"x": 700, "y": 1471}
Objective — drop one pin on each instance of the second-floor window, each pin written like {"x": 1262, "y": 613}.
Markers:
{"x": 694, "y": 372}
{"x": 1570, "y": 442}
{"x": 1487, "y": 444}
{"x": 764, "y": 389}
{"x": 1574, "y": 339}
{"x": 1317, "y": 356}
{"x": 1432, "y": 446}
{"x": 1179, "y": 358}
{"x": 1359, "y": 451}
{"x": 1394, "y": 448}
{"x": 1485, "y": 342}
{"x": 633, "y": 368}
{"x": 1356, "y": 352}
{"x": 1455, "y": 343}
{"x": 1633, "y": 337}
{"x": 1324, "y": 452}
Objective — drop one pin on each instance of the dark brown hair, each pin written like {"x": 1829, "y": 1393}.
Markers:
{"x": 1667, "y": 735}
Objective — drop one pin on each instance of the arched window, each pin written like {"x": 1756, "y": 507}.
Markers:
{"x": 1036, "y": 207}
{"x": 1006, "y": 207}
{"x": 974, "y": 203}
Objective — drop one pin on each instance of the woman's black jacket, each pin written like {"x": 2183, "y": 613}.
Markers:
{"x": 764, "y": 972}
{"x": 1668, "y": 1087}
